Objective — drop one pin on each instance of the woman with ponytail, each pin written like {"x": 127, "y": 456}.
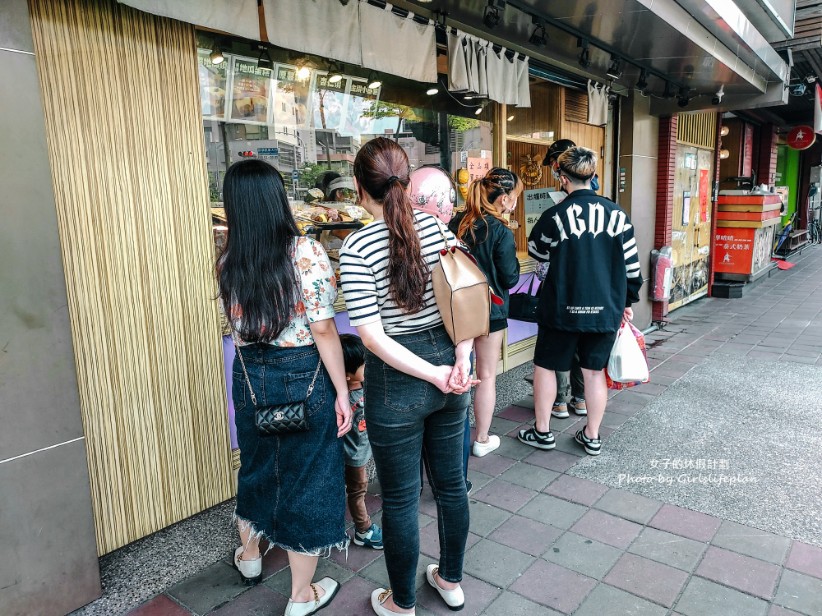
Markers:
{"x": 486, "y": 233}
{"x": 416, "y": 380}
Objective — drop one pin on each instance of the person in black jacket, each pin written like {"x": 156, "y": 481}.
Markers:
{"x": 593, "y": 278}
{"x": 482, "y": 228}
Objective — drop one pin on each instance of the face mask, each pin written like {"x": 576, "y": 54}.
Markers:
{"x": 555, "y": 173}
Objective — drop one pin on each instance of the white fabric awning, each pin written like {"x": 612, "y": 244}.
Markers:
{"x": 355, "y": 33}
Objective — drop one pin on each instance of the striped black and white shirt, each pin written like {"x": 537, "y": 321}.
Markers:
{"x": 364, "y": 276}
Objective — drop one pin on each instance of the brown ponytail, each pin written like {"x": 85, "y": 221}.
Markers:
{"x": 382, "y": 169}
{"x": 481, "y": 196}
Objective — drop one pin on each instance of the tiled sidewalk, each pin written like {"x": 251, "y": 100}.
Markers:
{"x": 544, "y": 542}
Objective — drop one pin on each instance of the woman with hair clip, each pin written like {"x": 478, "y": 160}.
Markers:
{"x": 278, "y": 289}
{"x": 416, "y": 380}
{"x": 486, "y": 233}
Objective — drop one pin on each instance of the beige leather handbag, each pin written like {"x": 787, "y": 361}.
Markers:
{"x": 462, "y": 293}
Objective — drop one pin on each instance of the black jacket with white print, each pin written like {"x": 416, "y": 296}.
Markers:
{"x": 594, "y": 269}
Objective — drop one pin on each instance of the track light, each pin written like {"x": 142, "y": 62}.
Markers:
{"x": 374, "y": 82}
{"x": 539, "y": 37}
{"x": 431, "y": 91}
{"x": 493, "y": 13}
{"x": 642, "y": 82}
{"x": 334, "y": 75}
{"x": 585, "y": 54}
{"x": 683, "y": 99}
{"x": 264, "y": 60}
{"x": 669, "y": 90}
{"x": 480, "y": 109}
{"x": 216, "y": 56}
{"x": 615, "y": 69}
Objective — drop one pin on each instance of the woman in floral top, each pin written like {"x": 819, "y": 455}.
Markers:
{"x": 280, "y": 290}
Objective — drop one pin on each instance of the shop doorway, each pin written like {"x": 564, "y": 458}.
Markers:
{"x": 691, "y": 226}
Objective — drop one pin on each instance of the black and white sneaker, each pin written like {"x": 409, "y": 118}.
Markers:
{"x": 540, "y": 440}
{"x": 591, "y": 445}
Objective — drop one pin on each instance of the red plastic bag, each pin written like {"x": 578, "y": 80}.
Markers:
{"x": 641, "y": 342}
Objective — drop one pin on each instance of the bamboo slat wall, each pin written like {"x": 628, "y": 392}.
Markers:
{"x": 697, "y": 129}
{"x": 122, "y": 109}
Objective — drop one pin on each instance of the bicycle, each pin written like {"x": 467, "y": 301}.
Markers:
{"x": 783, "y": 235}
{"x": 814, "y": 227}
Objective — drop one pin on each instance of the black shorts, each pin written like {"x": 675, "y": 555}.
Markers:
{"x": 555, "y": 349}
{"x": 497, "y": 325}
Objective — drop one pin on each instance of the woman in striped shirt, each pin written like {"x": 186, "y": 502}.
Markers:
{"x": 416, "y": 381}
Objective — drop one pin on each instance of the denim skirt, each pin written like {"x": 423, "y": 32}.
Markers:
{"x": 290, "y": 488}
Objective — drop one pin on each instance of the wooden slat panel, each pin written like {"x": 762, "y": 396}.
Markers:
{"x": 121, "y": 100}
{"x": 698, "y": 129}
{"x": 576, "y": 106}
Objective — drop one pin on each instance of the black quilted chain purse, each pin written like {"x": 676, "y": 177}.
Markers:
{"x": 279, "y": 419}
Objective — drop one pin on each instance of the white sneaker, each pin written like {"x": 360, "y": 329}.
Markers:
{"x": 483, "y": 449}
{"x": 251, "y": 571}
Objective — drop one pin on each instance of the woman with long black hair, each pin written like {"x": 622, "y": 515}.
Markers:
{"x": 416, "y": 381}
{"x": 278, "y": 289}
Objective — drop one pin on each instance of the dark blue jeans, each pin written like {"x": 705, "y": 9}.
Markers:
{"x": 408, "y": 418}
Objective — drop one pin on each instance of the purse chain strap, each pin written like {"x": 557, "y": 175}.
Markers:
{"x": 248, "y": 381}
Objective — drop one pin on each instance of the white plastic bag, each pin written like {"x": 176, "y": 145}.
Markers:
{"x": 627, "y": 363}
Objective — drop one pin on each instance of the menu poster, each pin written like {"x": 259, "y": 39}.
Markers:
{"x": 212, "y": 85}
{"x": 330, "y": 102}
{"x": 362, "y": 99}
{"x": 249, "y": 92}
{"x": 291, "y": 99}
{"x": 477, "y": 168}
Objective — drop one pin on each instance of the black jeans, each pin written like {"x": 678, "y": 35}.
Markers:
{"x": 408, "y": 418}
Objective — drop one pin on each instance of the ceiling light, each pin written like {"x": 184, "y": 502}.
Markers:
{"x": 585, "y": 54}
{"x": 493, "y": 13}
{"x": 431, "y": 91}
{"x": 303, "y": 72}
{"x": 539, "y": 37}
{"x": 469, "y": 97}
{"x": 264, "y": 60}
{"x": 374, "y": 82}
{"x": 642, "y": 82}
{"x": 615, "y": 68}
{"x": 216, "y": 56}
{"x": 724, "y": 154}
{"x": 479, "y": 110}
{"x": 723, "y": 132}
{"x": 334, "y": 74}
{"x": 510, "y": 118}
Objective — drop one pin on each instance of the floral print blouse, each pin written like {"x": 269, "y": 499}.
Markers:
{"x": 317, "y": 286}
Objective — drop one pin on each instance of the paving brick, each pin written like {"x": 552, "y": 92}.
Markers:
{"x": 752, "y": 542}
{"x": 160, "y": 605}
{"x": 477, "y": 479}
{"x": 510, "y": 447}
{"x": 518, "y": 414}
{"x": 529, "y": 476}
{"x": 496, "y": 563}
{"x": 358, "y": 557}
{"x": 567, "y": 444}
{"x": 209, "y": 588}
{"x": 605, "y": 600}
{"x": 703, "y": 597}
{"x": 501, "y": 425}
{"x": 607, "y": 528}
{"x": 628, "y": 505}
{"x": 354, "y": 597}
{"x": 511, "y": 604}
{"x": 478, "y": 596}
{"x": 259, "y": 601}
{"x": 504, "y": 495}
{"x": 800, "y": 592}
{"x": 492, "y": 465}
{"x": 668, "y": 549}
{"x": 684, "y": 522}
{"x": 552, "y": 510}
{"x": 647, "y": 578}
{"x": 747, "y": 574}
{"x": 554, "y": 586}
{"x": 805, "y": 559}
{"x": 583, "y": 555}
{"x": 558, "y": 461}
{"x": 485, "y": 518}
{"x": 577, "y": 490}
{"x": 614, "y": 420}
{"x": 525, "y": 535}
{"x": 781, "y": 611}
{"x": 378, "y": 574}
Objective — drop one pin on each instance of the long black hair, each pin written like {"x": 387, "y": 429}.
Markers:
{"x": 258, "y": 282}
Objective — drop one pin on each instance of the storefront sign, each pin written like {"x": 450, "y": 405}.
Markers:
{"x": 212, "y": 86}
{"x": 291, "y": 99}
{"x": 330, "y": 102}
{"x": 734, "y": 250}
{"x": 249, "y": 92}
{"x": 477, "y": 168}
{"x": 801, "y": 138}
{"x": 704, "y": 192}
